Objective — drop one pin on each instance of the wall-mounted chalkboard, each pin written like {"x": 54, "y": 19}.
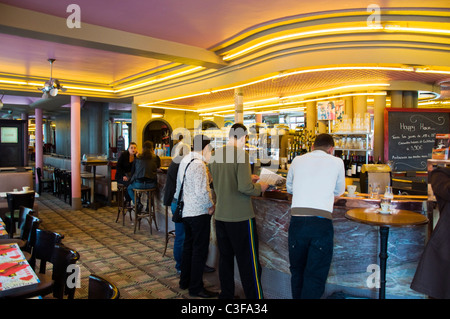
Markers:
{"x": 409, "y": 136}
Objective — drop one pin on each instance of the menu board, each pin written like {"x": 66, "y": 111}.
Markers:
{"x": 409, "y": 136}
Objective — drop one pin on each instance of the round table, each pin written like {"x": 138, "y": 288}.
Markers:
{"x": 397, "y": 218}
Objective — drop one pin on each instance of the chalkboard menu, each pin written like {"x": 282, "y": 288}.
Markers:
{"x": 409, "y": 136}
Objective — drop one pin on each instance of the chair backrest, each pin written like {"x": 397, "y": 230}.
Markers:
{"x": 101, "y": 288}
{"x": 39, "y": 174}
{"x": 15, "y": 200}
{"x": 62, "y": 257}
{"x": 23, "y": 211}
{"x": 28, "y": 231}
{"x": 44, "y": 245}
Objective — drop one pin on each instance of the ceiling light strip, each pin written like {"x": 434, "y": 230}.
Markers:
{"x": 297, "y": 35}
{"x": 301, "y": 95}
{"x": 376, "y": 68}
{"x": 306, "y": 101}
{"x": 157, "y": 79}
{"x": 387, "y": 28}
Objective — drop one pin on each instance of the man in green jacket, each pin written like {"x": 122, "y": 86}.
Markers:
{"x": 235, "y": 219}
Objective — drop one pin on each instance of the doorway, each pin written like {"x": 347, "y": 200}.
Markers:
{"x": 159, "y": 132}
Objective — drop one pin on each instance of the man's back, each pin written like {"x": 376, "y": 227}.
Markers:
{"x": 231, "y": 174}
{"x": 314, "y": 179}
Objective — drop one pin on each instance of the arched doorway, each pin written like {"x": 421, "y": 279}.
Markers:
{"x": 159, "y": 132}
{"x": 209, "y": 125}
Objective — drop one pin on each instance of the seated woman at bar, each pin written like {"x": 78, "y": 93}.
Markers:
{"x": 124, "y": 165}
{"x": 144, "y": 170}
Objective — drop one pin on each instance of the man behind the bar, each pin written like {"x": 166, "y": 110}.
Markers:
{"x": 314, "y": 179}
{"x": 235, "y": 219}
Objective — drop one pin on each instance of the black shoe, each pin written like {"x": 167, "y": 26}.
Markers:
{"x": 208, "y": 269}
{"x": 205, "y": 294}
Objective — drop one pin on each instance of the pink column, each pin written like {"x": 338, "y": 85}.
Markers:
{"x": 75, "y": 151}
{"x": 39, "y": 141}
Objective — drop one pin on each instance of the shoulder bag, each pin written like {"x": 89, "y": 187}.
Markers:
{"x": 177, "y": 216}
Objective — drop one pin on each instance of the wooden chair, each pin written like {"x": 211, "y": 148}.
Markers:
{"x": 44, "y": 181}
{"x": 44, "y": 245}
{"x": 122, "y": 208}
{"x": 61, "y": 259}
{"x": 15, "y": 200}
{"x": 57, "y": 282}
{"x": 101, "y": 288}
{"x": 149, "y": 212}
{"x": 58, "y": 183}
{"x": 25, "y": 229}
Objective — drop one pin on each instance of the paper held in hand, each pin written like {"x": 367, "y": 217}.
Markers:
{"x": 271, "y": 178}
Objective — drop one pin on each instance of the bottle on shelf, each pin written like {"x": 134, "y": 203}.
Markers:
{"x": 379, "y": 160}
{"x": 358, "y": 166}
{"x": 349, "y": 166}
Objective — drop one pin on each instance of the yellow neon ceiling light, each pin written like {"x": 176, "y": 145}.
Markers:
{"x": 280, "y": 39}
{"x": 300, "y": 102}
{"x": 300, "y": 95}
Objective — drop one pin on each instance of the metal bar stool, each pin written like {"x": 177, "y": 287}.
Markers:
{"x": 169, "y": 234}
{"x": 122, "y": 208}
{"x": 149, "y": 212}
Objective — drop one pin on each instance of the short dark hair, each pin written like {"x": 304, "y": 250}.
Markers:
{"x": 324, "y": 141}
{"x": 200, "y": 142}
{"x": 237, "y": 131}
{"x": 148, "y": 145}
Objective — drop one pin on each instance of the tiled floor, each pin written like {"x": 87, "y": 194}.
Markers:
{"x": 134, "y": 262}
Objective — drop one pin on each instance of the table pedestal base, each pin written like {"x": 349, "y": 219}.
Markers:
{"x": 384, "y": 233}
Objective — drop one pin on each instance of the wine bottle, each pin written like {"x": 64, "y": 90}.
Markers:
{"x": 358, "y": 166}
{"x": 354, "y": 164}
{"x": 349, "y": 166}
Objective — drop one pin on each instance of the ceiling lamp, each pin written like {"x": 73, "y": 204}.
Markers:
{"x": 52, "y": 86}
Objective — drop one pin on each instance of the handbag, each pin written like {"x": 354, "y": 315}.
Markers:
{"x": 177, "y": 216}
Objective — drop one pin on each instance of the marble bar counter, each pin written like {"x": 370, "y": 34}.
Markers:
{"x": 356, "y": 246}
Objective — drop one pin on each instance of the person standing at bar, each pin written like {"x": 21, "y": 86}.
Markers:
{"x": 180, "y": 148}
{"x": 171, "y": 200}
{"x": 313, "y": 179}
{"x": 124, "y": 165}
{"x": 144, "y": 170}
{"x": 235, "y": 219}
{"x": 432, "y": 276}
{"x": 197, "y": 211}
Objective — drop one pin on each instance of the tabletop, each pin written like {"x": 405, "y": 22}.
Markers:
{"x": 15, "y": 272}
{"x": 397, "y": 218}
{"x": 3, "y": 194}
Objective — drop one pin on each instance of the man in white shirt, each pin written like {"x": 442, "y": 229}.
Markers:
{"x": 181, "y": 148}
{"x": 314, "y": 179}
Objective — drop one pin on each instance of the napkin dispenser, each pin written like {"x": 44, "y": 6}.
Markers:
{"x": 375, "y": 173}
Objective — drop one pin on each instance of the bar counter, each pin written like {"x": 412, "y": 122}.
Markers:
{"x": 356, "y": 246}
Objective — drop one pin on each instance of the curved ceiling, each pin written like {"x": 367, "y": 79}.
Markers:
{"x": 154, "y": 40}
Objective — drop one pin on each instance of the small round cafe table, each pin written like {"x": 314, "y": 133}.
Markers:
{"x": 397, "y": 218}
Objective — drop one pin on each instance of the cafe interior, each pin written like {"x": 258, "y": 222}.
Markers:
{"x": 80, "y": 81}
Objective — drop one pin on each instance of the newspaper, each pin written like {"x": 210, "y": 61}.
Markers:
{"x": 271, "y": 178}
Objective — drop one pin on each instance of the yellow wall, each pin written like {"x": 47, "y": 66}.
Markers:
{"x": 176, "y": 119}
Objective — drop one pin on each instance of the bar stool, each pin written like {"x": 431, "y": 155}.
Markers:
{"x": 149, "y": 213}
{"x": 121, "y": 207}
{"x": 169, "y": 234}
